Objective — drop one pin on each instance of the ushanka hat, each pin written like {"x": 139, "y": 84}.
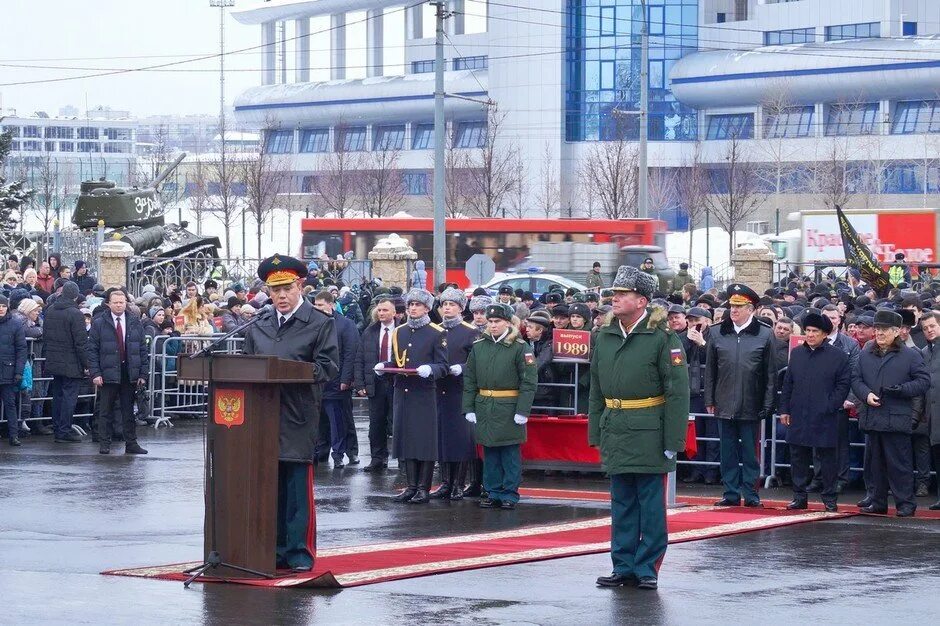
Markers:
{"x": 479, "y": 303}
{"x": 500, "y": 311}
{"x": 631, "y": 279}
{"x": 453, "y": 295}
{"x": 421, "y": 296}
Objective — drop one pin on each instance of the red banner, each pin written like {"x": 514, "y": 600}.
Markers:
{"x": 571, "y": 345}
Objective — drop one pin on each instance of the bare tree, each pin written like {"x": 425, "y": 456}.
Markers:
{"x": 265, "y": 176}
{"x": 692, "y": 188}
{"x": 518, "y": 199}
{"x": 490, "y": 170}
{"x": 781, "y": 121}
{"x": 737, "y": 195}
{"x": 661, "y": 190}
{"x": 334, "y": 185}
{"x": 611, "y": 170}
{"x": 549, "y": 195}
{"x": 44, "y": 203}
{"x": 225, "y": 205}
{"x": 830, "y": 176}
{"x": 198, "y": 190}
{"x": 381, "y": 185}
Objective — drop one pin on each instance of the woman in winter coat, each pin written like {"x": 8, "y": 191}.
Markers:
{"x": 12, "y": 361}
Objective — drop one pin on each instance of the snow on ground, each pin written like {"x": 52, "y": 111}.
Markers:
{"x": 677, "y": 246}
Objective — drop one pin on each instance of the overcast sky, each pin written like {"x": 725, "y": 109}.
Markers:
{"x": 91, "y": 34}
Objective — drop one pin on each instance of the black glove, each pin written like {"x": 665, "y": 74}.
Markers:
{"x": 893, "y": 390}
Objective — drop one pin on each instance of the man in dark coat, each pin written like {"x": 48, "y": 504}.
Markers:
{"x": 694, "y": 341}
{"x": 417, "y": 347}
{"x": 12, "y": 362}
{"x": 375, "y": 346}
{"x": 814, "y": 388}
{"x": 119, "y": 364}
{"x": 65, "y": 344}
{"x": 81, "y": 277}
{"x": 298, "y": 332}
{"x": 931, "y": 325}
{"x": 888, "y": 379}
{"x": 740, "y": 383}
{"x": 455, "y": 434}
{"x": 338, "y": 392}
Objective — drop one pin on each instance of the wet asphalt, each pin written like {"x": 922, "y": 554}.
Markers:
{"x": 67, "y": 513}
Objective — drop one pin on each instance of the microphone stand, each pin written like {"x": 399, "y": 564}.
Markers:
{"x": 215, "y": 560}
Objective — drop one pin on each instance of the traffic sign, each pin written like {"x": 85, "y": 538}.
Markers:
{"x": 479, "y": 269}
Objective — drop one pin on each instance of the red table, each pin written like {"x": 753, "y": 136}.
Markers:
{"x": 562, "y": 443}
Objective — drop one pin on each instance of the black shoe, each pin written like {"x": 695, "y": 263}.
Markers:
{"x": 506, "y": 504}
{"x": 375, "y": 466}
{"x": 814, "y": 487}
{"x": 727, "y": 502}
{"x": 647, "y": 582}
{"x": 863, "y": 503}
{"x": 754, "y": 504}
{"x": 134, "y": 448}
{"x": 25, "y": 432}
{"x": 922, "y": 491}
{"x": 442, "y": 492}
{"x": 69, "y": 437}
{"x": 406, "y": 495}
{"x": 411, "y": 476}
{"x": 473, "y": 490}
{"x": 797, "y": 505}
{"x": 935, "y": 506}
{"x": 104, "y": 449}
{"x": 352, "y": 459}
{"x": 692, "y": 479}
{"x": 617, "y": 580}
{"x": 907, "y": 511}
{"x": 874, "y": 510}
{"x": 486, "y": 503}
{"x": 15, "y": 442}
{"x": 831, "y": 507}
{"x": 42, "y": 430}
{"x": 338, "y": 462}
{"x": 420, "y": 497}
{"x": 711, "y": 481}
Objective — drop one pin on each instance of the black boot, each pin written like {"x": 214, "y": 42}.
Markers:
{"x": 459, "y": 479}
{"x": 425, "y": 475}
{"x": 411, "y": 476}
{"x": 447, "y": 478}
{"x": 475, "y": 488}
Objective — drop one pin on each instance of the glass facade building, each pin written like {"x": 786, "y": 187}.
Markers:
{"x": 602, "y": 58}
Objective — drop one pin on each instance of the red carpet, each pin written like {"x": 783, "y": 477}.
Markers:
{"x": 362, "y": 565}
{"x": 604, "y": 496}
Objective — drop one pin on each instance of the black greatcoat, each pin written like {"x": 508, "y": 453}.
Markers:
{"x": 309, "y": 336}
{"x": 414, "y": 407}
{"x": 455, "y": 434}
{"x": 816, "y": 384}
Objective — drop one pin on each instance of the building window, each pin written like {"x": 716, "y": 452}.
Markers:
{"x": 118, "y": 134}
{"x": 115, "y": 148}
{"x": 422, "y": 67}
{"x": 352, "y": 139}
{"x": 31, "y": 132}
{"x": 734, "y": 125}
{"x": 13, "y": 130}
{"x": 909, "y": 29}
{"x": 608, "y": 21}
{"x": 314, "y": 139}
{"x": 50, "y": 146}
{"x": 903, "y": 178}
{"x": 87, "y": 132}
{"x": 786, "y": 37}
{"x": 278, "y": 141}
{"x": 789, "y": 122}
{"x": 916, "y": 117}
{"x": 15, "y": 146}
{"x": 868, "y": 30}
{"x": 59, "y": 132}
{"x": 32, "y": 146}
{"x": 858, "y": 119}
{"x": 722, "y": 18}
{"x": 471, "y": 63}
{"x": 89, "y": 146}
{"x": 66, "y": 146}
{"x": 389, "y": 137}
{"x": 422, "y": 137}
{"x": 415, "y": 183}
{"x": 470, "y": 134}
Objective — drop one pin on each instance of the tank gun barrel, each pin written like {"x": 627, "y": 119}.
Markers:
{"x": 169, "y": 170}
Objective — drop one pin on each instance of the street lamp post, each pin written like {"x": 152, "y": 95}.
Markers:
{"x": 222, "y": 5}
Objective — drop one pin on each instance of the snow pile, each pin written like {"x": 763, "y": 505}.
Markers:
{"x": 677, "y": 246}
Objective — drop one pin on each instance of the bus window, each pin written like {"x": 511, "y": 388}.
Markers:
{"x": 315, "y": 244}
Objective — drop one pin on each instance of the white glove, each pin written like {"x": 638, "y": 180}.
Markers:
{"x": 379, "y": 369}
{"x": 424, "y": 371}
{"x": 520, "y": 419}
{"x": 472, "y": 418}
{"x": 456, "y": 370}
{"x": 670, "y": 454}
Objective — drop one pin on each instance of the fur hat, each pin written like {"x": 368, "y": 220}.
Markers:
{"x": 479, "y": 303}
{"x": 883, "y": 317}
{"x": 631, "y": 279}
{"x": 815, "y": 320}
{"x": 454, "y": 295}
{"x": 420, "y": 295}
{"x": 540, "y": 317}
{"x": 581, "y": 309}
{"x": 500, "y": 311}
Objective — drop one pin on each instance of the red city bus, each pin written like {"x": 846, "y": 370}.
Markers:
{"x": 505, "y": 240}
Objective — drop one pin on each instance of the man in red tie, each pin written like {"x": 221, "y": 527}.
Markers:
{"x": 118, "y": 365}
{"x": 375, "y": 347}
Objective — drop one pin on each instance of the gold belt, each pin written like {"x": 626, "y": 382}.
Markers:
{"x": 637, "y": 403}
{"x": 498, "y": 393}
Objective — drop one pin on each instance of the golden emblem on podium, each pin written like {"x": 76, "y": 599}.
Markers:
{"x": 230, "y": 407}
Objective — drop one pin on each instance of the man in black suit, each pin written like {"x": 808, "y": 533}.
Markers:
{"x": 376, "y": 347}
{"x": 118, "y": 364}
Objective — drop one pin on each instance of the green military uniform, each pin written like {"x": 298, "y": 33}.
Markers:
{"x": 498, "y": 389}
{"x": 638, "y": 414}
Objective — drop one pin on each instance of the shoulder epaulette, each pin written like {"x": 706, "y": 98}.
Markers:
{"x": 522, "y": 341}
{"x": 436, "y": 327}
{"x": 469, "y": 325}
{"x": 479, "y": 339}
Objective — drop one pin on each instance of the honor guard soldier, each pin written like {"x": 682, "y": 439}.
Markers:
{"x": 498, "y": 390}
{"x": 417, "y": 345}
{"x": 638, "y": 414}
{"x": 297, "y": 331}
{"x": 455, "y": 434}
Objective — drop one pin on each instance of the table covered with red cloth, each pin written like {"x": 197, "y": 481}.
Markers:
{"x": 565, "y": 439}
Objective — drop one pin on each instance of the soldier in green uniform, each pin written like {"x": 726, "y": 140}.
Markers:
{"x": 499, "y": 383}
{"x": 638, "y": 413}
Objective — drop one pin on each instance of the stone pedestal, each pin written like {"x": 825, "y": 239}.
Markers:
{"x": 391, "y": 259}
{"x": 754, "y": 266}
{"x": 113, "y": 257}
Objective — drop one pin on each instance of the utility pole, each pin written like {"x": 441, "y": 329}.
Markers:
{"x": 440, "y": 232}
{"x": 222, "y": 5}
{"x": 642, "y": 188}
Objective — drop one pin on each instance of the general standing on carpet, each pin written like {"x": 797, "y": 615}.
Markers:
{"x": 299, "y": 332}
{"x": 455, "y": 434}
{"x": 498, "y": 390}
{"x": 417, "y": 345}
{"x": 638, "y": 416}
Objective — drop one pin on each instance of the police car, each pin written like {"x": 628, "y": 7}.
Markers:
{"x": 532, "y": 280}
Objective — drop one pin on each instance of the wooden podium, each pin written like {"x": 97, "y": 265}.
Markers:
{"x": 242, "y": 448}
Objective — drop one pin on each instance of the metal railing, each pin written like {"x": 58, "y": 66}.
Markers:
{"x": 197, "y": 266}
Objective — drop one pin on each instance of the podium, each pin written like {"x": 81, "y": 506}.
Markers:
{"x": 243, "y": 425}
